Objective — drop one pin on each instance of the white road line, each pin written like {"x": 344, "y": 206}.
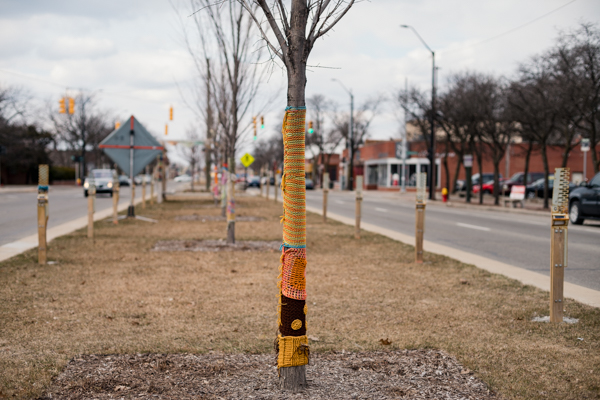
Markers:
{"x": 479, "y": 228}
{"x": 381, "y": 209}
{"x": 339, "y": 202}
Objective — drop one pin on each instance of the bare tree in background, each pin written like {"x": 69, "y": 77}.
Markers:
{"x": 295, "y": 26}
{"x": 535, "y": 105}
{"x": 324, "y": 139}
{"x": 191, "y": 151}
{"x": 363, "y": 117}
{"x": 84, "y": 130}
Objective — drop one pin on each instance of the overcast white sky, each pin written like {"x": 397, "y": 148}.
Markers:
{"x": 130, "y": 51}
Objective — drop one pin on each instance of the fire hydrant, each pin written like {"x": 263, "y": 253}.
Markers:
{"x": 444, "y": 195}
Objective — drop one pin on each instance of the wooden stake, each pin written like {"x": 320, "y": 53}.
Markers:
{"x": 275, "y": 186}
{"x": 325, "y": 192}
{"x": 144, "y": 191}
{"x": 558, "y": 242}
{"x": 260, "y": 184}
{"x": 420, "y": 216}
{"x": 42, "y": 243}
{"x": 91, "y": 200}
{"x": 419, "y": 230}
{"x": 359, "y": 187}
{"x": 268, "y": 183}
{"x": 558, "y": 262}
{"x": 152, "y": 187}
{"x": 43, "y": 214}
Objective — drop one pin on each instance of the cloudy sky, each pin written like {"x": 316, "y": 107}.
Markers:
{"x": 131, "y": 54}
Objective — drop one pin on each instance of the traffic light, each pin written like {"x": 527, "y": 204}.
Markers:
{"x": 254, "y": 124}
{"x": 166, "y": 129}
{"x": 117, "y": 125}
{"x": 310, "y": 127}
{"x": 71, "y": 105}
{"x": 171, "y": 113}
{"x": 62, "y": 107}
{"x": 262, "y": 122}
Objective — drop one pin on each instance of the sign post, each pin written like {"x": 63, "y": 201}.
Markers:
{"x": 42, "y": 211}
{"x": 359, "y": 188}
{"x": 468, "y": 161}
{"x": 420, "y": 217}
{"x": 558, "y": 242}
{"x": 132, "y": 148}
{"x": 585, "y": 147}
{"x": 325, "y": 192}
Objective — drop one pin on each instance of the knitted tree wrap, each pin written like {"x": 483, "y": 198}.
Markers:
{"x": 292, "y": 343}
{"x": 293, "y": 181}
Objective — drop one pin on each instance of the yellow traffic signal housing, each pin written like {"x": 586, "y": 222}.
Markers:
{"x": 71, "y": 105}
{"x": 254, "y": 124}
{"x": 117, "y": 125}
{"x": 166, "y": 129}
{"x": 62, "y": 108}
{"x": 310, "y": 127}
{"x": 171, "y": 113}
{"x": 262, "y": 122}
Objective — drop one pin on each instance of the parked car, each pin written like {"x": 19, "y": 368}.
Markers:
{"x": 584, "y": 201}
{"x": 254, "y": 182}
{"x": 517, "y": 179}
{"x": 103, "y": 180}
{"x": 488, "y": 187}
{"x": 536, "y": 189}
{"x": 183, "y": 178}
{"x": 124, "y": 180}
{"x": 310, "y": 185}
{"x": 461, "y": 184}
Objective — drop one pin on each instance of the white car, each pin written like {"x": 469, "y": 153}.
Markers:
{"x": 183, "y": 178}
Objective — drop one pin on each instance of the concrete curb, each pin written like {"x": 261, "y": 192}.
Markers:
{"x": 12, "y": 249}
{"x": 579, "y": 293}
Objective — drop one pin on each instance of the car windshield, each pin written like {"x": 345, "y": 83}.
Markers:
{"x": 105, "y": 173}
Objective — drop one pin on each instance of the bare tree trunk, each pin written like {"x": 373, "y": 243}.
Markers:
{"x": 231, "y": 203}
{"x": 446, "y": 169}
{"x": 527, "y": 158}
{"x": 456, "y": 173}
{"x": 209, "y": 124}
{"x": 496, "y": 180}
{"x": 546, "y": 173}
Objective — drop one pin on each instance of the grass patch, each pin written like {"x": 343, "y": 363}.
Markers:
{"x": 113, "y": 295}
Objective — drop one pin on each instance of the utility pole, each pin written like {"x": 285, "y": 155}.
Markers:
{"x": 431, "y": 155}
{"x": 350, "y": 162}
{"x": 209, "y": 123}
{"x": 404, "y": 141}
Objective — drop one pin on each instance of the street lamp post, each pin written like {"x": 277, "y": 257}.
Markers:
{"x": 432, "y": 175}
{"x": 350, "y": 134}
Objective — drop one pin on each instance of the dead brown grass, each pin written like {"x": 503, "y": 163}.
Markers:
{"x": 113, "y": 295}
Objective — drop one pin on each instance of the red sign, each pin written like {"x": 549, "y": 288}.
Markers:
{"x": 517, "y": 192}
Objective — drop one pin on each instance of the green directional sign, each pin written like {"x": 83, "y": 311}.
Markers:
{"x": 247, "y": 160}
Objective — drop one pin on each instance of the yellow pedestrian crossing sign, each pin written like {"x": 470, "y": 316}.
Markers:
{"x": 247, "y": 160}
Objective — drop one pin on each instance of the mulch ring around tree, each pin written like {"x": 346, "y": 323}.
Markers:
{"x": 402, "y": 374}
{"x": 216, "y": 245}
{"x": 205, "y": 218}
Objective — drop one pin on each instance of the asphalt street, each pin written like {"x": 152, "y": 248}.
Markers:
{"x": 516, "y": 239}
{"x": 18, "y": 212}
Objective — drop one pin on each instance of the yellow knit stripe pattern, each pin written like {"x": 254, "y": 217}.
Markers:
{"x": 293, "y": 351}
{"x": 293, "y": 183}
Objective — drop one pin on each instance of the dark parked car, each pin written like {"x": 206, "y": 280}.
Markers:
{"x": 584, "y": 201}
{"x": 103, "y": 180}
{"x": 254, "y": 182}
{"x": 536, "y": 189}
{"x": 310, "y": 185}
{"x": 517, "y": 179}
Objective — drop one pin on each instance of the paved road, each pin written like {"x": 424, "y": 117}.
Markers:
{"x": 18, "y": 213}
{"x": 515, "y": 239}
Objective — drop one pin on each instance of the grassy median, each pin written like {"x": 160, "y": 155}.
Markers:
{"x": 113, "y": 294}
